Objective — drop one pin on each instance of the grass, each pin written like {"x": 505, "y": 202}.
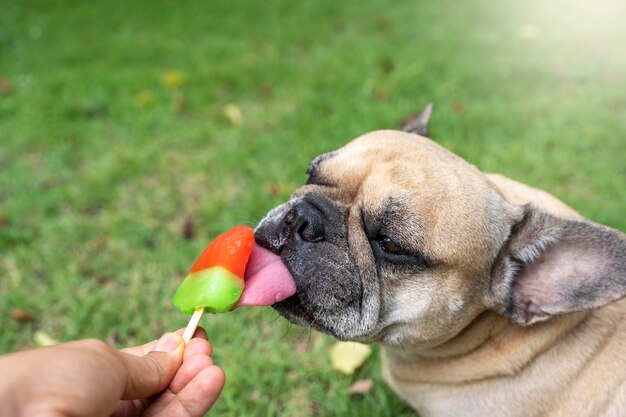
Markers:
{"x": 112, "y": 182}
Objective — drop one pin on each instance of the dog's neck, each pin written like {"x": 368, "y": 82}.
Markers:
{"x": 476, "y": 352}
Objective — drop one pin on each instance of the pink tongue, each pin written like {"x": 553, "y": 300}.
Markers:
{"x": 267, "y": 280}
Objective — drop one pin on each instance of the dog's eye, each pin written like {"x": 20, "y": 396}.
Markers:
{"x": 389, "y": 245}
{"x": 393, "y": 252}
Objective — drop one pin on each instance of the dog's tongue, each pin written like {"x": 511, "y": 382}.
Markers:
{"x": 267, "y": 280}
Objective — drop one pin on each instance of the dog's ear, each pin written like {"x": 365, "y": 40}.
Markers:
{"x": 419, "y": 123}
{"x": 551, "y": 265}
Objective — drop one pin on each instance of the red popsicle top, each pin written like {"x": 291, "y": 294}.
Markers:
{"x": 230, "y": 250}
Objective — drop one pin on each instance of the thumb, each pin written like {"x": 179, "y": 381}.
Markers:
{"x": 152, "y": 373}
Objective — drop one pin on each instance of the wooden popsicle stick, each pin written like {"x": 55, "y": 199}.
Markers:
{"x": 193, "y": 324}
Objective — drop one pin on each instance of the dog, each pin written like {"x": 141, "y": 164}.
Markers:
{"x": 488, "y": 297}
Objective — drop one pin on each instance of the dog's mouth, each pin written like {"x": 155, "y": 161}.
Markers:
{"x": 267, "y": 279}
{"x": 294, "y": 310}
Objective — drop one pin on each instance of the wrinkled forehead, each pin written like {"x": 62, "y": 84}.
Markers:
{"x": 387, "y": 170}
{"x": 382, "y": 162}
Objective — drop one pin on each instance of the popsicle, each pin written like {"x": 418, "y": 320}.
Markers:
{"x": 216, "y": 280}
{"x": 232, "y": 272}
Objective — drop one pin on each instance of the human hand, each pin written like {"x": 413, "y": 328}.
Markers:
{"x": 90, "y": 378}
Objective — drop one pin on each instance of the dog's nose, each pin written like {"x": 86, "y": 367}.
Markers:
{"x": 306, "y": 222}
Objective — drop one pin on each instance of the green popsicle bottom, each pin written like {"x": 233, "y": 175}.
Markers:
{"x": 216, "y": 289}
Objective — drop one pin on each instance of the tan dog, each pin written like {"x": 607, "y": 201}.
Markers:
{"x": 490, "y": 298}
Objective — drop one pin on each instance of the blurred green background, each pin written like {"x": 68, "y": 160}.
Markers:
{"x": 132, "y": 132}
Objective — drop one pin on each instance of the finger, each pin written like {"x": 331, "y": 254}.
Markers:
{"x": 125, "y": 409}
{"x": 191, "y": 367}
{"x": 198, "y": 347}
{"x": 148, "y": 347}
{"x": 195, "y": 359}
{"x": 130, "y": 408}
{"x": 200, "y": 333}
{"x": 149, "y": 374}
{"x": 197, "y": 397}
{"x": 141, "y": 350}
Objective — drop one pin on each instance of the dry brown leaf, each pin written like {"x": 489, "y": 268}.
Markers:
{"x": 104, "y": 279}
{"x": 233, "y": 114}
{"x": 43, "y": 339}
{"x": 179, "y": 103}
{"x": 189, "y": 229}
{"x": 21, "y": 315}
{"x": 347, "y": 357}
{"x": 458, "y": 107}
{"x": 273, "y": 189}
{"x": 5, "y": 86}
{"x": 361, "y": 387}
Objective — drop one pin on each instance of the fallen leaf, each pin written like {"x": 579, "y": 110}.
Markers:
{"x": 458, "y": 107}
{"x": 43, "y": 339}
{"x": 188, "y": 228}
{"x": 273, "y": 189}
{"x": 179, "y": 103}
{"x": 143, "y": 99}
{"x": 172, "y": 79}
{"x": 347, "y": 357}
{"x": 361, "y": 387}
{"x": 233, "y": 114}
{"x": 21, "y": 315}
{"x": 5, "y": 86}
{"x": 104, "y": 279}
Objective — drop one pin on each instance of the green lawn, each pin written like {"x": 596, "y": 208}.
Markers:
{"x": 112, "y": 182}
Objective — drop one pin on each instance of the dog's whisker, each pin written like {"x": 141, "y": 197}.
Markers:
{"x": 289, "y": 327}
{"x": 308, "y": 342}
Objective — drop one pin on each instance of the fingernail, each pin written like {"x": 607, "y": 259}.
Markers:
{"x": 168, "y": 343}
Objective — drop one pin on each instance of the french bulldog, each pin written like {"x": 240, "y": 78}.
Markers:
{"x": 489, "y": 297}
